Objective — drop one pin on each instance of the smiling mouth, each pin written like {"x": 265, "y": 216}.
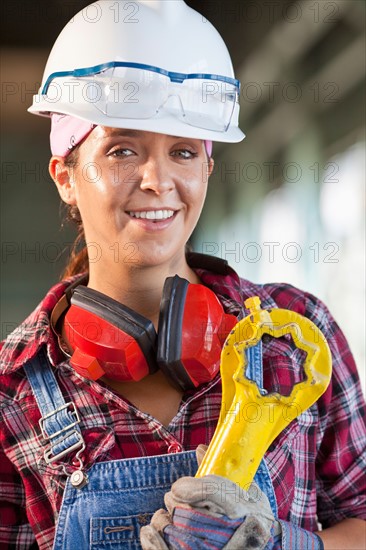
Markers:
{"x": 153, "y": 214}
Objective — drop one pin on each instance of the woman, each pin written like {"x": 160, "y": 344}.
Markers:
{"x": 101, "y": 408}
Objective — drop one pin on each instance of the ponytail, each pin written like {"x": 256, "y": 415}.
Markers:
{"x": 78, "y": 261}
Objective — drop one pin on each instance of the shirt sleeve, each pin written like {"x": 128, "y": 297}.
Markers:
{"x": 341, "y": 441}
{"x": 15, "y": 531}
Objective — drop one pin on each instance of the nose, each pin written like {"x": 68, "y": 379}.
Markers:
{"x": 156, "y": 177}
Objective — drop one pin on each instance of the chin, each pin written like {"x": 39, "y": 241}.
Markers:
{"x": 156, "y": 258}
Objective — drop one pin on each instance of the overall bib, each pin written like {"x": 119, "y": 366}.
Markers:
{"x": 106, "y": 506}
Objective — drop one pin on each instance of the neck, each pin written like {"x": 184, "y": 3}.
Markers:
{"x": 139, "y": 288}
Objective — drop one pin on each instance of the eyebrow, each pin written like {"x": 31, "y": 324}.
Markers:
{"x": 123, "y": 132}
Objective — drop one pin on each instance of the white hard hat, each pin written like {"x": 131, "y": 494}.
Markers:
{"x": 147, "y": 65}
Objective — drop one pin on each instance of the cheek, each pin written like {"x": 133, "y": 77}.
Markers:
{"x": 196, "y": 190}
{"x": 94, "y": 189}
{"x": 96, "y": 179}
{"x": 92, "y": 174}
{"x": 102, "y": 177}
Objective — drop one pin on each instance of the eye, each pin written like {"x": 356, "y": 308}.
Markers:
{"x": 184, "y": 154}
{"x": 121, "y": 152}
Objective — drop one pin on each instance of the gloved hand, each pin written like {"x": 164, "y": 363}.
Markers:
{"x": 214, "y": 513}
{"x": 210, "y": 513}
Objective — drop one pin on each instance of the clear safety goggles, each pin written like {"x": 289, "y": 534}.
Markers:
{"x": 137, "y": 91}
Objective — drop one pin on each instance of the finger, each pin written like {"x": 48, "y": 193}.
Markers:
{"x": 200, "y": 453}
{"x": 253, "y": 534}
{"x": 218, "y": 495}
{"x": 216, "y": 530}
{"x": 150, "y": 539}
{"x": 171, "y": 503}
{"x": 160, "y": 520}
{"x": 181, "y": 539}
{"x": 213, "y": 494}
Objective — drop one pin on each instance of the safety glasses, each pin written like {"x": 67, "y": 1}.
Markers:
{"x": 136, "y": 91}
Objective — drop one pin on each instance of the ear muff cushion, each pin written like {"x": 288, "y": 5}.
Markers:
{"x": 170, "y": 332}
{"x": 125, "y": 320}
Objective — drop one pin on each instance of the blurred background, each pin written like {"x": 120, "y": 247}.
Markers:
{"x": 286, "y": 204}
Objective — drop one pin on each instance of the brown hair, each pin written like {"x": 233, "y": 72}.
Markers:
{"x": 78, "y": 261}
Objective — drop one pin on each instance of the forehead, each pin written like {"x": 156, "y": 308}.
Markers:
{"x": 106, "y": 131}
{"x": 101, "y": 134}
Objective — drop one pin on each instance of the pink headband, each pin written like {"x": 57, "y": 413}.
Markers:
{"x": 67, "y": 131}
{"x": 208, "y": 145}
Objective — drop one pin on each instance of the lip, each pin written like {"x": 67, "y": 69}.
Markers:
{"x": 150, "y": 209}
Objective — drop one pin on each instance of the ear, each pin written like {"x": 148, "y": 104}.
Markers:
{"x": 62, "y": 175}
{"x": 210, "y": 166}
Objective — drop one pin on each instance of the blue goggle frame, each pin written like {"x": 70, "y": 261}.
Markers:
{"x": 173, "y": 76}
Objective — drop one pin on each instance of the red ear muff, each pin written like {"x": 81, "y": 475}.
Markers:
{"x": 109, "y": 338}
{"x": 192, "y": 329}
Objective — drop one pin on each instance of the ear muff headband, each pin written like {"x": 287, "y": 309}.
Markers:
{"x": 169, "y": 355}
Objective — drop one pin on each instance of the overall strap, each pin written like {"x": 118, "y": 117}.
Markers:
{"x": 255, "y": 364}
{"x": 59, "y": 420}
{"x": 254, "y": 371}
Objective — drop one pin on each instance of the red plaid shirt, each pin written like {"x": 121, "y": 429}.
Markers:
{"x": 316, "y": 464}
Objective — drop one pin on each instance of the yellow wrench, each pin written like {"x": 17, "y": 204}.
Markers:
{"x": 239, "y": 442}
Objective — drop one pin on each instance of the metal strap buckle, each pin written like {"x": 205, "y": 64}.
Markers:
{"x": 49, "y": 459}
{"x": 73, "y": 411}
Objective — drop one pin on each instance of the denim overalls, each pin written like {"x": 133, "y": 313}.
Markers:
{"x": 106, "y": 506}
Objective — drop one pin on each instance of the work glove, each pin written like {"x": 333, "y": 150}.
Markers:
{"x": 212, "y": 513}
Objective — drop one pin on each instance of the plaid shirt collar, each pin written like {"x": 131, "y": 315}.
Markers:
{"x": 25, "y": 341}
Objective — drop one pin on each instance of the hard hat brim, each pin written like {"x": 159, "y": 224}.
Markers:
{"x": 162, "y": 123}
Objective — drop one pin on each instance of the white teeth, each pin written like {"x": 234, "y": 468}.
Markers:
{"x": 153, "y": 214}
